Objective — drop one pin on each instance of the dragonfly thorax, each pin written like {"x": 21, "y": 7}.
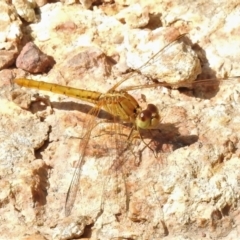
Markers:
{"x": 148, "y": 118}
{"x": 121, "y": 105}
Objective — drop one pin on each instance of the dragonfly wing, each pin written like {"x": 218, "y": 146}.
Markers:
{"x": 152, "y": 60}
{"x": 121, "y": 162}
{"x": 88, "y": 125}
{"x": 193, "y": 84}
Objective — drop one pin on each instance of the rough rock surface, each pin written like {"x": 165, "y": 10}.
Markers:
{"x": 184, "y": 184}
{"x": 33, "y": 60}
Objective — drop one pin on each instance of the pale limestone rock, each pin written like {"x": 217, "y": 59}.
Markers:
{"x": 25, "y": 9}
{"x": 135, "y": 16}
{"x": 190, "y": 190}
{"x": 10, "y": 26}
{"x": 172, "y": 64}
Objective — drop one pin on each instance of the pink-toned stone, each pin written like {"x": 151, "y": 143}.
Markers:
{"x": 7, "y": 58}
{"x": 33, "y": 60}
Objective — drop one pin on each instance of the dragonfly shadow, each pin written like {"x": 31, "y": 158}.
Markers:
{"x": 166, "y": 134}
{"x": 167, "y": 138}
{"x": 84, "y": 108}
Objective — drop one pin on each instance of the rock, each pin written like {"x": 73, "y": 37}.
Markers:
{"x": 33, "y": 60}
{"x": 182, "y": 181}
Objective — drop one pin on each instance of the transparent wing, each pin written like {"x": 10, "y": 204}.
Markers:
{"x": 120, "y": 159}
{"x": 150, "y": 61}
{"x": 191, "y": 85}
{"x": 88, "y": 125}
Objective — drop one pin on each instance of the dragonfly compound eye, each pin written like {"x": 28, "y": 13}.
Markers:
{"x": 148, "y": 118}
{"x": 155, "y": 117}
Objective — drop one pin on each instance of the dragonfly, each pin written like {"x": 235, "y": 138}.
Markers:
{"x": 118, "y": 103}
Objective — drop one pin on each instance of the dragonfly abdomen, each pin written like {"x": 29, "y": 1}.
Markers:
{"x": 85, "y": 95}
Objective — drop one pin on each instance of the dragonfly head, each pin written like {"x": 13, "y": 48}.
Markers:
{"x": 148, "y": 118}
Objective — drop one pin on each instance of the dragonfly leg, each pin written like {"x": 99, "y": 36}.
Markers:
{"x": 147, "y": 145}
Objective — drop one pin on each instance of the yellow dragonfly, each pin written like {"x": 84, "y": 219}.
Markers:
{"x": 119, "y": 103}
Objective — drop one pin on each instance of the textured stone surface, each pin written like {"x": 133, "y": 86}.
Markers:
{"x": 32, "y": 60}
{"x": 10, "y": 33}
{"x": 188, "y": 188}
{"x": 25, "y": 9}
